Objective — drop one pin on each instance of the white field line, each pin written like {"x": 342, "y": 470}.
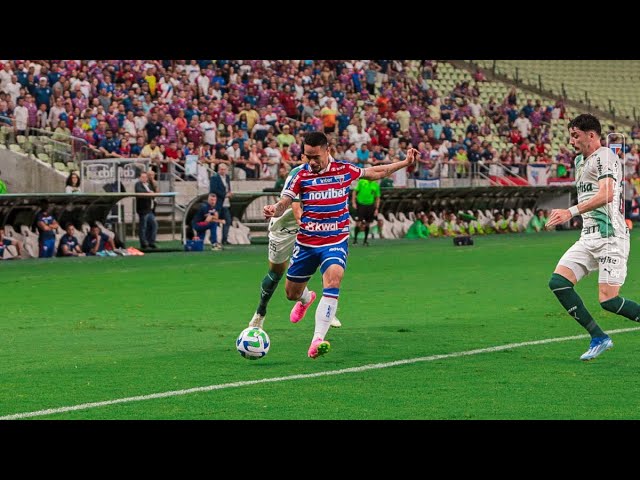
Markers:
{"x": 372, "y": 366}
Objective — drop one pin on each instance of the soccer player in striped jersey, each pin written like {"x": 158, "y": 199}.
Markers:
{"x": 604, "y": 243}
{"x": 322, "y": 241}
{"x": 282, "y": 237}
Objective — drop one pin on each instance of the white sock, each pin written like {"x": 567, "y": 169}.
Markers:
{"x": 306, "y": 296}
{"x": 326, "y": 310}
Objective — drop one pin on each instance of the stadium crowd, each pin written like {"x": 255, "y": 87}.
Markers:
{"x": 251, "y": 114}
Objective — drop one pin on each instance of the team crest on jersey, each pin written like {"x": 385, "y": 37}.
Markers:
{"x": 615, "y": 148}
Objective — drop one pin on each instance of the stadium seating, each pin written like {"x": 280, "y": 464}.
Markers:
{"x": 597, "y": 81}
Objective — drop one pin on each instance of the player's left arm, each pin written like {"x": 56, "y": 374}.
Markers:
{"x": 277, "y": 209}
{"x": 290, "y": 191}
{"x": 601, "y": 198}
{"x": 377, "y": 201}
{"x": 381, "y": 171}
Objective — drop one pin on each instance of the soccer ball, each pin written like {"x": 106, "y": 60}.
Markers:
{"x": 253, "y": 343}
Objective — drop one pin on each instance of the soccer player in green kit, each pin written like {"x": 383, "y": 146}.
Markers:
{"x": 604, "y": 243}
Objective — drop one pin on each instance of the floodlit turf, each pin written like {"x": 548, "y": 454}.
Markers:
{"x": 90, "y": 330}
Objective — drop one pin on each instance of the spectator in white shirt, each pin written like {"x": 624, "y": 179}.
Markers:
{"x": 203, "y": 83}
{"x": 193, "y": 70}
{"x": 42, "y": 117}
{"x": 351, "y": 155}
{"x": 523, "y": 124}
{"x": 21, "y": 117}
{"x": 129, "y": 126}
{"x": 140, "y": 120}
{"x": 273, "y": 158}
{"x": 5, "y": 77}
{"x": 56, "y": 111}
{"x": 360, "y": 137}
{"x": 209, "y": 129}
{"x": 13, "y": 89}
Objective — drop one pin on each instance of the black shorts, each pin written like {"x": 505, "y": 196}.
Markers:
{"x": 365, "y": 212}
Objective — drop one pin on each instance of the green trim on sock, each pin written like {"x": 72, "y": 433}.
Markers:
{"x": 563, "y": 289}
{"x": 622, "y": 306}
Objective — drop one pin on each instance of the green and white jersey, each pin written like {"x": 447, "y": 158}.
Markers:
{"x": 286, "y": 223}
{"x": 608, "y": 220}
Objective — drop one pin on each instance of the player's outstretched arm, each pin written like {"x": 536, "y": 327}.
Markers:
{"x": 381, "y": 171}
{"x": 600, "y": 199}
{"x": 277, "y": 209}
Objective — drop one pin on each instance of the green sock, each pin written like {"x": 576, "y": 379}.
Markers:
{"x": 269, "y": 285}
{"x": 572, "y": 303}
{"x": 623, "y": 306}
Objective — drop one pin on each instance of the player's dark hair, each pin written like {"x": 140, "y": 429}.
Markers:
{"x": 586, "y": 122}
{"x": 315, "y": 139}
{"x": 69, "y": 225}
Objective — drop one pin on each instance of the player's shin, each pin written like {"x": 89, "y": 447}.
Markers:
{"x": 325, "y": 312}
{"x": 269, "y": 285}
{"x": 622, "y": 306}
{"x": 572, "y": 303}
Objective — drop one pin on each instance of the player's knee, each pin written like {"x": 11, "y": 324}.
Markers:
{"x": 557, "y": 283}
{"x": 276, "y": 274}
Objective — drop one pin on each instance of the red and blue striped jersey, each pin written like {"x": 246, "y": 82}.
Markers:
{"x": 325, "y": 202}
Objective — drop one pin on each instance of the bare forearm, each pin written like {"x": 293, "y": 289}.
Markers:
{"x": 381, "y": 171}
{"x": 281, "y": 206}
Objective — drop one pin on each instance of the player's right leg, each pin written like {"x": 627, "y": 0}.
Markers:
{"x": 576, "y": 263}
{"x": 333, "y": 264}
{"x": 304, "y": 263}
{"x": 613, "y": 273}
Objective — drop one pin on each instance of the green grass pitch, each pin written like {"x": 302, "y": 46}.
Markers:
{"x": 91, "y": 330}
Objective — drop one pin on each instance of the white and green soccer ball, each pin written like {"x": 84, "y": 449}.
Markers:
{"x": 253, "y": 343}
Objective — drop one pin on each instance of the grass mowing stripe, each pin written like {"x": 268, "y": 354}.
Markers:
{"x": 373, "y": 366}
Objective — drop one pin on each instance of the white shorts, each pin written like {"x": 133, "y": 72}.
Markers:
{"x": 608, "y": 255}
{"x": 280, "y": 247}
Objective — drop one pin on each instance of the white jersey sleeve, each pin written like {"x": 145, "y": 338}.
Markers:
{"x": 286, "y": 223}
{"x": 607, "y": 164}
